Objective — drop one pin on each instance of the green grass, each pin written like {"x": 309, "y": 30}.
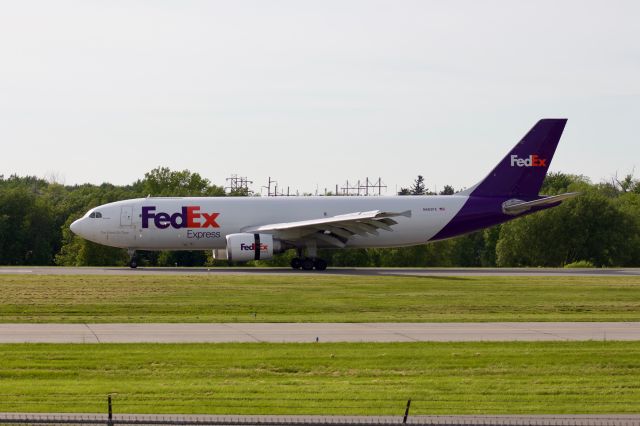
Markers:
{"x": 316, "y": 299}
{"x": 322, "y": 298}
{"x": 344, "y": 378}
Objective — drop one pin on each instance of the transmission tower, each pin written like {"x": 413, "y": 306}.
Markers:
{"x": 368, "y": 187}
{"x": 237, "y": 183}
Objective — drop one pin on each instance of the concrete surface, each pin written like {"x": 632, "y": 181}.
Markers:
{"x": 323, "y": 332}
{"x": 586, "y": 272}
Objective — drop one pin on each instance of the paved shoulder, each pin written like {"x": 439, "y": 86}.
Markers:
{"x": 318, "y": 332}
{"x": 537, "y": 272}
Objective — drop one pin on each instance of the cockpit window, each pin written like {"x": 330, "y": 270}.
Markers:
{"x": 98, "y": 215}
{"x": 92, "y": 215}
{"x": 95, "y": 215}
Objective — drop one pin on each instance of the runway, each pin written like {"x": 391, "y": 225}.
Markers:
{"x": 318, "y": 332}
{"x": 531, "y": 272}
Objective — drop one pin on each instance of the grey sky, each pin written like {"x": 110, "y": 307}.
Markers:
{"x": 313, "y": 93}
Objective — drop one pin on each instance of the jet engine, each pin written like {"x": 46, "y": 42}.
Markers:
{"x": 245, "y": 247}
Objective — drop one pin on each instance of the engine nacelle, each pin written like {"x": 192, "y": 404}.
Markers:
{"x": 245, "y": 247}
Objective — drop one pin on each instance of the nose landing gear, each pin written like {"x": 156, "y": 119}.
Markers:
{"x": 133, "y": 259}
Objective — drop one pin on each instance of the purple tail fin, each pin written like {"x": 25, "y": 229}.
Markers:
{"x": 522, "y": 171}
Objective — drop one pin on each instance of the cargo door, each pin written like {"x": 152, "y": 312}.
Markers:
{"x": 126, "y": 215}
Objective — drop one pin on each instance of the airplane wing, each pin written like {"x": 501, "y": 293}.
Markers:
{"x": 514, "y": 207}
{"x": 335, "y": 230}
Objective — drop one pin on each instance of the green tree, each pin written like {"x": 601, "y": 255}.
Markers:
{"x": 602, "y": 226}
{"x": 27, "y": 232}
{"x": 467, "y": 250}
{"x": 589, "y": 228}
{"x": 240, "y": 192}
{"x": 558, "y": 183}
{"x": 488, "y": 255}
{"x": 350, "y": 257}
{"x": 629, "y": 205}
{"x": 162, "y": 181}
{"x": 418, "y": 187}
{"x": 447, "y": 190}
{"x": 182, "y": 258}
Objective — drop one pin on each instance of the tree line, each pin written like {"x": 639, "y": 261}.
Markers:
{"x": 599, "y": 228}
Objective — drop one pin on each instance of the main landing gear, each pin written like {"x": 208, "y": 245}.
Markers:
{"x": 307, "y": 263}
{"x": 133, "y": 259}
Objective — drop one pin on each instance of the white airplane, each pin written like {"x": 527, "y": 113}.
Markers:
{"x": 253, "y": 228}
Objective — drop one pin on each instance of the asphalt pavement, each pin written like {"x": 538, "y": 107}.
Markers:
{"x": 317, "y": 332}
{"x": 535, "y": 272}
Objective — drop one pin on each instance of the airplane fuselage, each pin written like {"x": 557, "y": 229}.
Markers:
{"x": 200, "y": 223}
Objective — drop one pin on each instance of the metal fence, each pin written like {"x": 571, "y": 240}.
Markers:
{"x": 109, "y": 419}
{"x": 212, "y": 420}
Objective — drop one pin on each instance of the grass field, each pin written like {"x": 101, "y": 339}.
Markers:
{"x": 322, "y": 298}
{"x": 348, "y": 378}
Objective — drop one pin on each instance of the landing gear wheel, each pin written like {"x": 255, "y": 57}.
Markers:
{"x": 307, "y": 264}
{"x": 296, "y": 263}
{"x": 320, "y": 264}
{"x": 133, "y": 259}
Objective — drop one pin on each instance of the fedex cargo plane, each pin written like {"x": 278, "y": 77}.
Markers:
{"x": 248, "y": 228}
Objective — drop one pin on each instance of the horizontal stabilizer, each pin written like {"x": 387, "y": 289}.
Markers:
{"x": 515, "y": 207}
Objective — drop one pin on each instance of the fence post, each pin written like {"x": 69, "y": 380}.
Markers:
{"x": 110, "y": 417}
{"x": 406, "y": 411}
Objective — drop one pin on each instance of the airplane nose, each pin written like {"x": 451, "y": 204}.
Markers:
{"x": 75, "y": 227}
